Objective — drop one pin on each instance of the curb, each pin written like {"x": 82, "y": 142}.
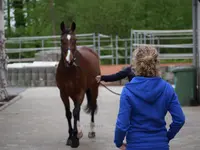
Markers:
{"x": 18, "y": 97}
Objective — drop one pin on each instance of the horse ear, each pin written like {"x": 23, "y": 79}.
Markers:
{"x": 62, "y": 26}
{"x": 73, "y": 26}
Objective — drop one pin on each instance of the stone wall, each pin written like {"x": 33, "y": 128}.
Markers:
{"x": 37, "y": 76}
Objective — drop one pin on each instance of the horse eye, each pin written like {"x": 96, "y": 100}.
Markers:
{"x": 62, "y": 40}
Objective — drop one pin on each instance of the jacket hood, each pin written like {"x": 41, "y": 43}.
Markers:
{"x": 148, "y": 89}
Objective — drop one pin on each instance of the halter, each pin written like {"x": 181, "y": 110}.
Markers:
{"x": 69, "y": 52}
{"x": 73, "y": 59}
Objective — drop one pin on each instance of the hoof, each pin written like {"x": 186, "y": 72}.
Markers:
{"x": 80, "y": 135}
{"x": 91, "y": 135}
{"x": 69, "y": 142}
{"x": 75, "y": 142}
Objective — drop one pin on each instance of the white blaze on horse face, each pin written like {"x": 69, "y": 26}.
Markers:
{"x": 68, "y": 52}
{"x": 68, "y": 56}
{"x": 68, "y": 36}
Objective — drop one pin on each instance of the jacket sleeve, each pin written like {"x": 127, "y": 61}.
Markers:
{"x": 123, "y": 119}
{"x": 178, "y": 117}
{"x": 117, "y": 76}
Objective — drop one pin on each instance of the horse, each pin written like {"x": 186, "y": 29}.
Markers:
{"x": 75, "y": 77}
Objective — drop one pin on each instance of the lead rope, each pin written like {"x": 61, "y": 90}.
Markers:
{"x": 109, "y": 89}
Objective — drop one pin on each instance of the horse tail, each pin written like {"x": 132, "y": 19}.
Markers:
{"x": 91, "y": 102}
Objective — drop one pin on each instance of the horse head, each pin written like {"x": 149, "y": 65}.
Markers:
{"x": 68, "y": 43}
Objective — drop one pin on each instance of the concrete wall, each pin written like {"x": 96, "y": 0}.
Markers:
{"x": 40, "y": 74}
{"x": 35, "y": 74}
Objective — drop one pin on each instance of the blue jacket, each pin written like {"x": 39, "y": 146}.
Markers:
{"x": 127, "y": 72}
{"x": 143, "y": 106}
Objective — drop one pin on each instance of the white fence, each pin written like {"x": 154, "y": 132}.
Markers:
{"x": 112, "y": 50}
{"x": 42, "y": 44}
{"x": 158, "y": 39}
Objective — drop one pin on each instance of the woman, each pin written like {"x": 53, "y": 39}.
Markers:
{"x": 127, "y": 72}
{"x": 144, "y": 102}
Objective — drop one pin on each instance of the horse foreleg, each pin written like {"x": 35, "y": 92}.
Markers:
{"x": 80, "y": 133}
{"x": 76, "y": 114}
{"x": 68, "y": 115}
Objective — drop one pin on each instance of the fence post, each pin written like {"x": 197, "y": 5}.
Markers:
{"x": 116, "y": 49}
{"x": 94, "y": 42}
{"x": 144, "y": 38}
{"x": 42, "y": 50}
{"x": 135, "y": 42}
{"x": 99, "y": 45}
{"x": 152, "y": 39}
{"x": 125, "y": 45}
{"x": 158, "y": 42}
{"x": 112, "y": 49}
{"x": 20, "y": 48}
{"x": 131, "y": 46}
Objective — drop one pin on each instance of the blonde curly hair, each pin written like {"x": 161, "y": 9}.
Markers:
{"x": 145, "y": 61}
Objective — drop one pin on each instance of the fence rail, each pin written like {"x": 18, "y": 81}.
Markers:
{"x": 179, "y": 39}
{"x": 112, "y": 50}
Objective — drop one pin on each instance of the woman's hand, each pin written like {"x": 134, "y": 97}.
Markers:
{"x": 98, "y": 78}
{"x": 123, "y": 147}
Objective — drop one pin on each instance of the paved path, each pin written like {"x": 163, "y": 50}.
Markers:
{"x": 15, "y": 90}
{"x": 37, "y": 122}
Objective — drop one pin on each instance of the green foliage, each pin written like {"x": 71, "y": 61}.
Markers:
{"x": 104, "y": 16}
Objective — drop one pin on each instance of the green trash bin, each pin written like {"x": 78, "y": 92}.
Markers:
{"x": 185, "y": 84}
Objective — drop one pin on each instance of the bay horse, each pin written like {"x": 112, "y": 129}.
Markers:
{"x": 75, "y": 77}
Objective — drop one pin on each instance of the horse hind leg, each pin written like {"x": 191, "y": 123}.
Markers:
{"x": 87, "y": 108}
{"x": 90, "y": 104}
{"x": 92, "y": 108}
